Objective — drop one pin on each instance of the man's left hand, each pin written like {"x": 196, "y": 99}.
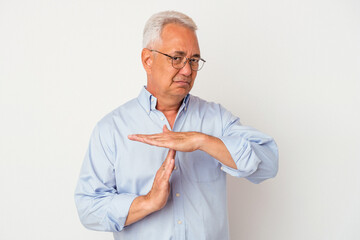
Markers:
{"x": 179, "y": 141}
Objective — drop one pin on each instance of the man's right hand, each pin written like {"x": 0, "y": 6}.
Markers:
{"x": 157, "y": 197}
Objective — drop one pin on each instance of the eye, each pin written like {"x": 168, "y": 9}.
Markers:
{"x": 194, "y": 60}
{"x": 177, "y": 60}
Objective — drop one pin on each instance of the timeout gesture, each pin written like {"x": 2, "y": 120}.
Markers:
{"x": 179, "y": 141}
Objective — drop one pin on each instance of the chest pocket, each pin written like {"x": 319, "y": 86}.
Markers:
{"x": 199, "y": 166}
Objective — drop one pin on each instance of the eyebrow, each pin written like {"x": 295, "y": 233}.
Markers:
{"x": 181, "y": 53}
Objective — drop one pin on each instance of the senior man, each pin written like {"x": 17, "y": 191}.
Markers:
{"x": 156, "y": 166}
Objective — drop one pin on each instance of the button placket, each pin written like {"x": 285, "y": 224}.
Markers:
{"x": 178, "y": 202}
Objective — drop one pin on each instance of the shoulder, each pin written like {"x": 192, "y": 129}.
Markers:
{"x": 202, "y": 103}
{"x": 110, "y": 120}
{"x": 211, "y": 109}
{"x": 204, "y": 106}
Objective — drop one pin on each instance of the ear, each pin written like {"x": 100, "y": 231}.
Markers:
{"x": 146, "y": 59}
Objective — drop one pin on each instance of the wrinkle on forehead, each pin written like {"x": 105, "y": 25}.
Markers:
{"x": 178, "y": 39}
{"x": 183, "y": 54}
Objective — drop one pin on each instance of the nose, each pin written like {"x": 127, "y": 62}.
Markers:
{"x": 186, "y": 70}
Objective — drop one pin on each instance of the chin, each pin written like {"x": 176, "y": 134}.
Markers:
{"x": 183, "y": 91}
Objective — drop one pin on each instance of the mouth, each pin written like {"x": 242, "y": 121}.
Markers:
{"x": 182, "y": 82}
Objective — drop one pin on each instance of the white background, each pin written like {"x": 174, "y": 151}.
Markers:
{"x": 288, "y": 68}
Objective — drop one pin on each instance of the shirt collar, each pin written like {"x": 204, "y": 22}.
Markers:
{"x": 148, "y": 101}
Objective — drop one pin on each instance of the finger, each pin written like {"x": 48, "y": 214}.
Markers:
{"x": 171, "y": 154}
{"x": 169, "y": 169}
{"x": 155, "y": 140}
{"x": 166, "y": 163}
{"x": 133, "y": 137}
{"x": 138, "y": 137}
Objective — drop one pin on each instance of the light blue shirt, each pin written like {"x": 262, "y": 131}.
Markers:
{"x": 116, "y": 170}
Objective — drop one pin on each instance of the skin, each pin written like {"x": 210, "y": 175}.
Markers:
{"x": 170, "y": 86}
{"x": 167, "y": 84}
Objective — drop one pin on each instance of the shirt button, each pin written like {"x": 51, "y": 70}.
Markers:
{"x": 222, "y": 168}
{"x": 162, "y": 118}
{"x": 175, "y": 168}
{"x": 178, "y": 194}
{"x": 152, "y": 100}
{"x": 179, "y": 222}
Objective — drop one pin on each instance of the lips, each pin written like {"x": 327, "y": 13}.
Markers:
{"x": 182, "y": 81}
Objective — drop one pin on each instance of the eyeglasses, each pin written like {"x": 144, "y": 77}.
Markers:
{"x": 178, "y": 62}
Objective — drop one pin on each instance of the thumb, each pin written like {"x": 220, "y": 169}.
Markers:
{"x": 165, "y": 129}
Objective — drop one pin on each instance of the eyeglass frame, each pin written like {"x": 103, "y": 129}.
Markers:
{"x": 186, "y": 60}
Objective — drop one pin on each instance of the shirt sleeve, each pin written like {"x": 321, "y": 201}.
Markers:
{"x": 255, "y": 153}
{"x": 100, "y": 206}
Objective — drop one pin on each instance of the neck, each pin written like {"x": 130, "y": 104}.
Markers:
{"x": 168, "y": 105}
{"x": 166, "y": 102}
{"x": 170, "y": 108}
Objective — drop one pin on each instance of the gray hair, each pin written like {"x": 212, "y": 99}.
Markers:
{"x": 156, "y": 23}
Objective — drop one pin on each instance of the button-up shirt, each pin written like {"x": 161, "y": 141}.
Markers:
{"x": 116, "y": 170}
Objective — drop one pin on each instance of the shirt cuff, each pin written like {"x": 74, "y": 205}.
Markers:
{"x": 119, "y": 209}
{"x": 241, "y": 153}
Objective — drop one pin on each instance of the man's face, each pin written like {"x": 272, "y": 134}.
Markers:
{"x": 163, "y": 79}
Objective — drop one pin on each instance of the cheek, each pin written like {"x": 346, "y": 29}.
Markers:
{"x": 172, "y": 73}
{"x": 193, "y": 75}
{"x": 164, "y": 73}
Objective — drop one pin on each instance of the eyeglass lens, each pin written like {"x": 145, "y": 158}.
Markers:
{"x": 195, "y": 64}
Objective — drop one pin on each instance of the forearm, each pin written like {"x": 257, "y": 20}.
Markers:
{"x": 188, "y": 142}
{"x": 98, "y": 210}
{"x": 217, "y": 149}
{"x": 139, "y": 209}
{"x": 157, "y": 197}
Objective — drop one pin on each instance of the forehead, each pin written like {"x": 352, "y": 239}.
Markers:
{"x": 175, "y": 37}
